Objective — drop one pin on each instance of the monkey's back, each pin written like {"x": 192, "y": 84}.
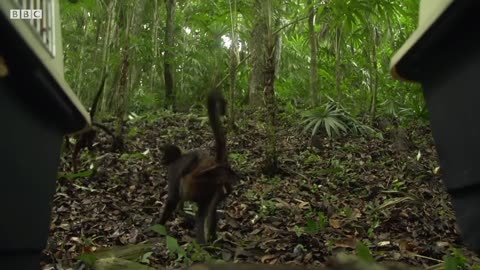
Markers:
{"x": 209, "y": 177}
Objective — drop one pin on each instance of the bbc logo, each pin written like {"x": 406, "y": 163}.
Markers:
{"x": 35, "y": 14}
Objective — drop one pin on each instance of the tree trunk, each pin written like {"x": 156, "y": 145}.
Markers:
{"x": 373, "y": 103}
{"x": 153, "y": 71}
{"x": 81, "y": 24}
{"x": 257, "y": 42}
{"x": 272, "y": 41}
{"x": 271, "y": 165}
{"x": 234, "y": 60}
{"x": 123, "y": 82}
{"x": 123, "y": 93}
{"x": 108, "y": 36}
{"x": 313, "y": 53}
{"x": 169, "y": 55}
{"x": 338, "y": 77}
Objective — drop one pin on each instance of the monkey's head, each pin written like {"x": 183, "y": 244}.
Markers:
{"x": 171, "y": 153}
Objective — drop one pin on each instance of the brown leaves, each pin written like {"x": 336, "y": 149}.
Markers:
{"x": 326, "y": 199}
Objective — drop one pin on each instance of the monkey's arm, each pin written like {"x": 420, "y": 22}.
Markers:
{"x": 182, "y": 166}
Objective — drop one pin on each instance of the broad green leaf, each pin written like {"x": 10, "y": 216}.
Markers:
{"x": 363, "y": 252}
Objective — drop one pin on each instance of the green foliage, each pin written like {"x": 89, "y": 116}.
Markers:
{"x": 455, "y": 261}
{"x": 316, "y": 223}
{"x": 145, "y": 258}
{"x": 72, "y": 176}
{"x": 290, "y": 113}
{"x": 192, "y": 252}
{"x": 198, "y": 254}
{"x": 416, "y": 108}
{"x": 267, "y": 207}
{"x": 71, "y": 7}
{"x": 329, "y": 117}
{"x": 334, "y": 120}
{"x": 202, "y": 31}
{"x": 238, "y": 159}
{"x": 391, "y": 107}
{"x": 133, "y": 132}
{"x": 87, "y": 258}
{"x": 363, "y": 252}
{"x": 131, "y": 255}
{"x": 337, "y": 167}
{"x": 299, "y": 231}
{"x": 357, "y": 128}
{"x": 251, "y": 195}
{"x": 312, "y": 158}
{"x": 134, "y": 156}
{"x": 450, "y": 263}
{"x": 398, "y": 185}
{"x": 374, "y": 224}
{"x": 174, "y": 248}
{"x": 145, "y": 101}
{"x": 172, "y": 243}
{"x": 160, "y": 229}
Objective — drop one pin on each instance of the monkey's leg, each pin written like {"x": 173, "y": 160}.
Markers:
{"x": 200, "y": 222}
{"x": 180, "y": 206}
{"x": 172, "y": 202}
{"x": 181, "y": 212}
{"x": 212, "y": 226}
{"x": 212, "y": 218}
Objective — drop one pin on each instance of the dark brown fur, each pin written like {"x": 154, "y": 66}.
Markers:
{"x": 197, "y": 177}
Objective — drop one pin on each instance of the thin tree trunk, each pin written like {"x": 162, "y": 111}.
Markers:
{"x": 338, "y": 78}
{"x": 123, "y": 82}
{"x": 373, "y": 103}
{"x": 169, "y": 55}
{"x": 111, "y": 11}
{"x": 234, "y": 59}
{"x": 271, "y": 162}
{"x": 153, "y": 71}
{"x": 124, "y": 90}
{"x": 79, "y": 78}
{"x": 256, "y": 81}
{"x": 313, "y": 53}
{"x": 271, "y": 165}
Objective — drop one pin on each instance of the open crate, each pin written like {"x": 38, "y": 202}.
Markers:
{"x": 37, "y": 107}
{"x": 443, "y": 56}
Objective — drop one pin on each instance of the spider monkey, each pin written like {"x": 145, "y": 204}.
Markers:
{"x": 198, "y": 177}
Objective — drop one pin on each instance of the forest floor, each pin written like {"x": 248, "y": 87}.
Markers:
{"x": 326, "y": 199}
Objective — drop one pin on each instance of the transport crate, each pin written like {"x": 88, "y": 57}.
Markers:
{"x": 443, "y": 55}
{"x": 37, "y": 108}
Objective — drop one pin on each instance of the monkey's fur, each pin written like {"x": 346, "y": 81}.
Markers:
{"x": 198, "y": 177}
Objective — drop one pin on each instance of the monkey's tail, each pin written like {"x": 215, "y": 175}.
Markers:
{"x": 216, "y": 106}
